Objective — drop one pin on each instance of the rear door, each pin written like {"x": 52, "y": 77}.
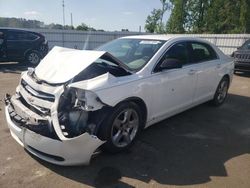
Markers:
{"x": 207, "y": 65}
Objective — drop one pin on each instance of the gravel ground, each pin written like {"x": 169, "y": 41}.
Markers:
{"x": 202, "y": 147}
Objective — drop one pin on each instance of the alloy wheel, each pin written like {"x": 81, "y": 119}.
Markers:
{"x": 222, "y": 91}
{"x": 125, "y": 127}
{"x": 33, "y": 58}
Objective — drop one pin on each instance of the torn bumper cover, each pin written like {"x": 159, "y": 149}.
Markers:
{"x": 71, "y": 151}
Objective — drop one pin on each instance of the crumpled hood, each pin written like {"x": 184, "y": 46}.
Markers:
{"x": 62, "y": 64}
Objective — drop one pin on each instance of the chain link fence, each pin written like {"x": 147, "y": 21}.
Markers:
{"x": 228, "y": 43}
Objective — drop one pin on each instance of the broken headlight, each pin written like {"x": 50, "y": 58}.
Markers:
{"x": 73, "y": 111}
{"x": 80, "y": 99}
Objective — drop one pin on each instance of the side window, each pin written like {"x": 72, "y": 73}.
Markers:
{"x": 30, "y": 36}
{"x": 200, "y": 52}
{"x": 178, "y": 52}
{"x": 1, "y": 35}
{"x": 11, "y": 35}
{"x": 21, "y": 36}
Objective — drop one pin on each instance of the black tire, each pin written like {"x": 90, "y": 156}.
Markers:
{"x": 221, "y": 92}
{"x": 109, "y": 129}
{"x": 33, "y": 58}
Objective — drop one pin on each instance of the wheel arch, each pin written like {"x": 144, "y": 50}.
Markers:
{"x": 141, "y": 104}
{"x": 227, "y": 77}
{"x": 222, "y": 76}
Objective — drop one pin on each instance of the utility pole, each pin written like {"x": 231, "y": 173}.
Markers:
{"x": 63, "y": 23}
{"x": 71, "y": 18}
{"x": 63, "y": 13}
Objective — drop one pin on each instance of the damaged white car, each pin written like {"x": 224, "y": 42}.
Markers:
{"x": 76, "y": 101}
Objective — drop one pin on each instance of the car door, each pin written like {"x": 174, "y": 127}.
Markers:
{"x": 17, "y": 44}
{"x": 207, "y": 65}
{"x": 173, "y": 89}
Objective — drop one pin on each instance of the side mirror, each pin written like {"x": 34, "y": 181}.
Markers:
{"x": 170, "y": 63}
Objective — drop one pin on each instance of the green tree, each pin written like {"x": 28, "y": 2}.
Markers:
{"x": 54, "y": 26}
{"x": 178, "y": 18}
{"x": 197, "y": 15}
{"x": 153, "y": 21}
{"x": 82, "y": 27}
{"x": 245, "y": 16}
{"x": 223, "y": 16}
{"x": 204, "y": 16}
{"x": 165, "y": 5}
{"x": 20, "y": 23}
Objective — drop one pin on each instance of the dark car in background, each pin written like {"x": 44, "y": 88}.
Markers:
{"x": 242, "y": 57}
{"x": 22, "y": 46}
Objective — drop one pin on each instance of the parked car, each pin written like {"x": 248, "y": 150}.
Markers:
{"x": 77, "y": 101}
{"x": 242, "y": 57}
{"x": 22, "y": 46}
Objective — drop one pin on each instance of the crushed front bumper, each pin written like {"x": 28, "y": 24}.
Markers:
{"x": 72, "y": 151}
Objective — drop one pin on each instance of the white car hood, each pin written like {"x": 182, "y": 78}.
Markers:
{"x": 62, "y": 64}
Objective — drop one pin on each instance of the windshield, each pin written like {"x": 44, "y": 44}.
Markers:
{"x": 135, "y": 53}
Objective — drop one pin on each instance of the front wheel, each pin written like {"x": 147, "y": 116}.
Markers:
{"x": 121, "y": 128}
{"x": 221, "y": 92}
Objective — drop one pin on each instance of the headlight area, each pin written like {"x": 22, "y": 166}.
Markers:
{"x": 80, "y": 111}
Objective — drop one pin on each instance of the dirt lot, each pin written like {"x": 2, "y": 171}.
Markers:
{"x": 202, "y": 147}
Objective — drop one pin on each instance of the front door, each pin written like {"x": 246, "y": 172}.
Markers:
{"x": 173, "y": 90}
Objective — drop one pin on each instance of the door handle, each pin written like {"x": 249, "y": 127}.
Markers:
{"x": 218, "y": 66}
{"x": 192, "y": 71}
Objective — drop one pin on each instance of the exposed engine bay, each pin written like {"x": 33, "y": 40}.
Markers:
{"x": 63, "y": 110}
{"x": 79, "y": 112}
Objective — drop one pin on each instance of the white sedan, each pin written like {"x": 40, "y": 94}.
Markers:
{"x": 77, "y": 102}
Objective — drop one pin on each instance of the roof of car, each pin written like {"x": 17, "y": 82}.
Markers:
{"x": 163, "y": 37}
{"x": 19, "y": 29}
{"x": 12, "y": 28}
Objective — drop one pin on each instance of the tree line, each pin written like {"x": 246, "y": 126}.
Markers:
{"x": 200, "y": 16}
{"x": 24, "y": 23}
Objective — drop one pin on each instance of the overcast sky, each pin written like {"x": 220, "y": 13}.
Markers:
{"x": 109, "y": 15}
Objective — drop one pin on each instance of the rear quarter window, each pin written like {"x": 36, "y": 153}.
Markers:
{"x": 31, "y": 36}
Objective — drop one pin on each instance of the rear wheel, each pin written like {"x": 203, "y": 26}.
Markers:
{"x": 33, "y": 58}
{"x": 221, "y": 92}
{"x": 121, "y": 128}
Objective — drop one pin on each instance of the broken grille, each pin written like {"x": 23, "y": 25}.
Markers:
{"x": 38, "y": 94}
